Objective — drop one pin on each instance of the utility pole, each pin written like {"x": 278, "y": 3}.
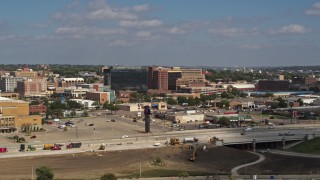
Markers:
{"x": 32, "y": 173}
{"x": 140, "y": 169}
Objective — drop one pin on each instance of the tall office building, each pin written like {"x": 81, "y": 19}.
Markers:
{"x": 127, "y": 77}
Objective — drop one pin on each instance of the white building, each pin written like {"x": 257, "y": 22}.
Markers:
{"x": 9, "y": 84}
{"x": 76, "y": 93}
{"x": 85, "y": 103}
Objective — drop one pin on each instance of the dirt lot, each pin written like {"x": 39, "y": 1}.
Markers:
{"x": 219, "y": 160}
{"x": 92, "y": 165}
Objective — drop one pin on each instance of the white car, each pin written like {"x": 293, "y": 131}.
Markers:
{"x": 248, "y": 129}
{"x": 156, "y": 144}
{"x": 61, "y": 126}
{"x": 124, "y": 136}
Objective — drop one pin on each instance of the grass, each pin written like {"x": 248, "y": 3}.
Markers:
{"x": 166, "y": 173}
{"x": 310, "y": 147}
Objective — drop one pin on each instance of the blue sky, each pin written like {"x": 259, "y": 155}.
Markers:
{"x": 173, "y": 33}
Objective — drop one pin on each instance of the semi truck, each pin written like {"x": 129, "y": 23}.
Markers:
{"x": 190, "y": 140}
{"x": 74, "y": 145}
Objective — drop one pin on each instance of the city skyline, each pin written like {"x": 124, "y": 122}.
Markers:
{"x": 211, "y": 33}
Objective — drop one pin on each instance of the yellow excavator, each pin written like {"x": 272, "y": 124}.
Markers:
{"x": 174, "y": 141}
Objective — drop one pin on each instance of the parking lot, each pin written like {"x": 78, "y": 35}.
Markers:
{"x": 102, "y": 128}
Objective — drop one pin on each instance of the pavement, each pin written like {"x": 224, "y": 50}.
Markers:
{"x": 234, "y": 171}
{"x": 288, "y": 153}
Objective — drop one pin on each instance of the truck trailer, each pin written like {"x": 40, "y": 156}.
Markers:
{"x": 74, "y": 145}
{"x": 190, "y": 140}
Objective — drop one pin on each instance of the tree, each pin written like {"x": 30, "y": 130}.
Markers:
{"x": 44, "y": 173}
{"x": 300, "y": 102}
{"x": 224, "y": 104}
{"x": 191, "y": 101}
{"x": 172, "y": 101}
{"x": 108, "y": 176}
{"x": 282, "y": 103}
{"x": 182, "y": 99}
{"x": 224, "y": 94}
{"x": 111, "y": 107}
{"x": 183, "y": 175}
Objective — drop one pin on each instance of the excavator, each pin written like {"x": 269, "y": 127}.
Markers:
{"x": 193, "y": 156}
{"x": 174, "y": 141}
{"x": 102, "y": 147}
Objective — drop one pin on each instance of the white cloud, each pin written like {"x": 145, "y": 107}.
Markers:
{"x": 177, "y": 30}
{"x": 141, "y": 8}
{"x": 140, "y": 24}
{"x": 87, "y": 31}
{"x": 228, "y": 31}
{"x": 314, "y": 10}
{"x": 110, "y": 13}
{"x": 143, "y": 34}
{"x": 291, "y": 29}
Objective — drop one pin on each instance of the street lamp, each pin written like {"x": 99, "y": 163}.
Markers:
{"x": 291, "y": 105}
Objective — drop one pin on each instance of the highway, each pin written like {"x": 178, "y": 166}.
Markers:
{"x": 141, "y": 141}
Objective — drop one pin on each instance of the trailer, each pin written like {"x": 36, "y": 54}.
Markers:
{"x": 74, "y": 145}
{"x": 190, "y": 140}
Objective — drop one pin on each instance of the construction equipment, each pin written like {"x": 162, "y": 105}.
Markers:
{"x": 74, "y": 145}
{"x": 31, "y": 148}
{"x": 193, "y": 156}
{"x": 174, "y": 141}
{"x": 48, "y": 146}
{"x": 22, "y": 147}
{"x": 102, "y": 147}
{"x": 56, "y": 147}
{"x": 214, "y": 139}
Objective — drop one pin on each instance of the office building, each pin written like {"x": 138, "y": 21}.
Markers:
{"x": 9, "y": 83}
{"x": 273, "y": 85}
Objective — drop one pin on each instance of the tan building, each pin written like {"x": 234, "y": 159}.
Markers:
{"x": 9, "y": 95}
{"x": 14, "y": 114}
{"x": 70, "y": 82}
{"x": 25, "y": 72}
{"x": 132, "y": 107}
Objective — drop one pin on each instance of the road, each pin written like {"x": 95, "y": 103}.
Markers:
{"x": 136, "y": 141}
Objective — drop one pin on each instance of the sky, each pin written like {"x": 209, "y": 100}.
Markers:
{"x": 217, "y": 33}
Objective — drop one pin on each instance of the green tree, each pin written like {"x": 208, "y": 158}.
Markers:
{"x": 183, "y": 175}
{"x": 111, "y": 107}
{"x": 224, "y": 104}
{"x": 182, "y": 99}
{"x": 224, "y": 121}
{"x": 73, "y": 105}
{"x": 224, "y": 94}
{"x": 108, "y": 176}
{"x": 282, "y": 103}
{"x": 191, "y": 101}
{"x": 172, "y": 101}
{"x": 44, "y": 173}
{"x": 300, "y": 102}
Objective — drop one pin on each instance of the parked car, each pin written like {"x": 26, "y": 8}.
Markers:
{"x": 91, "y": 124}
{"x": 113, "y": 120}
{"x": 124, "y": 136}
{"x": 61, "y": 126}
{"x": 286, "y": 134}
